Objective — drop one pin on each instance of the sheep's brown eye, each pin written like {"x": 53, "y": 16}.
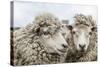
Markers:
{"x": 46, "y": 33}
{"x": 90, "y": 33}
{"x": 63, "y": 33}
{"x": 62, "y": 26}
{"x": 73, "y": 32}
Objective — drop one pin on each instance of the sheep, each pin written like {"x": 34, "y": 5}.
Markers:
{"x": 83, "y": 40}
{"x": 40, "y": 42}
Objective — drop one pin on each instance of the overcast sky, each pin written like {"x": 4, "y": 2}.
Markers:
{"x": 24, "y": 12}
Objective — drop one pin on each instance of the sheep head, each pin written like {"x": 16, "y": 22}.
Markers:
{"x": 81, "y": 36}
{"x": 48, "y": 29}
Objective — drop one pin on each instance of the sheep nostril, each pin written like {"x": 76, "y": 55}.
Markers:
{"x": 64, "y": 45}
{"x": 82, "y": 46}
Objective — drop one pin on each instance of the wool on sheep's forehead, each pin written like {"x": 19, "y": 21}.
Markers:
{"x": 46, "y": 23}
{"x": 47, "y": 19}
{"x": 84, "y": 19}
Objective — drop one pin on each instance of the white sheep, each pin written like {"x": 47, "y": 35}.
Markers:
{"x": 83, "y": 42}
{"x": 40, "y": 42}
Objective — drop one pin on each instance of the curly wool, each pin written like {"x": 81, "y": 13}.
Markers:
{"x": 27, "y": 46}
{"x": 84, "y": 19}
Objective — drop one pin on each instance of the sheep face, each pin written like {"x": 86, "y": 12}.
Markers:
{"x": 81, "y": 35}
{"x": 53, "y": 40}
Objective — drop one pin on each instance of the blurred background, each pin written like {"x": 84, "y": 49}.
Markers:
{"x": 25, "y": 12}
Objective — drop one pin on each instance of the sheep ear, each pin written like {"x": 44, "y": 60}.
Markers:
{"x": 70, "y": 27}
{"x": 38, "y": 30}
{"x": 93, "y": 28}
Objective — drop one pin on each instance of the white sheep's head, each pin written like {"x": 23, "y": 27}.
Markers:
{"x": 52, "y": 39}
{"x": 48, "y": 29}
{"x": 81, "y": 37}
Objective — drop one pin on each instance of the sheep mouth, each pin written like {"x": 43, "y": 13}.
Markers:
{"x": 82, "y": 51}
{"x": 62, "y": 51}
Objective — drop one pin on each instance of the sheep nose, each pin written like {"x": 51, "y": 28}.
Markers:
{"x": 82, "y": 46}
{"x": 64, "y": 45}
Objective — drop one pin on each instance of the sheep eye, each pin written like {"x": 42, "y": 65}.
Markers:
{"x": 63, "y": 33}
{"x": 90, "y": 33}
{"x": 46, "y": 33}
{"x": 73, "y": 32}
{"x": 62, "y": 26}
